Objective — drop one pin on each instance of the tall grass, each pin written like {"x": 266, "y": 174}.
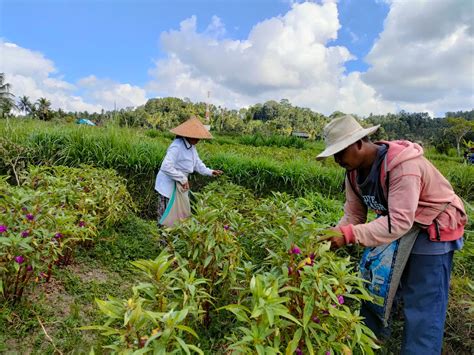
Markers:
{"x": 138, "y": 157}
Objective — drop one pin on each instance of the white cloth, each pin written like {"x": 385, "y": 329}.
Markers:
{"x": 178, "y": 163}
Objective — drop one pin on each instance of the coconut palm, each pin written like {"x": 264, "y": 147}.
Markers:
{"x": 4, "y": 88}
{"x": 6, "y": 97}
{"x": 43, "y": 108}
{"x": 25, "y": 105}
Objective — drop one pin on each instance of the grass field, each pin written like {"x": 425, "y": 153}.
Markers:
{"x": 288, "y": 197}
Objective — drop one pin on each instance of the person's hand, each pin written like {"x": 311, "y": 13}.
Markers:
{"x": 217, "y": 172}
{"x": 337, "y": 241}
{"x": 185, "y": 186}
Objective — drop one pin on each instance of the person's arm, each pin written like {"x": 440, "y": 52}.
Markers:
{"x": 355, "y": 211}
{"x": 168, "y": 165}
{"x": 201, "y": 168}
{"x": 403, "y": 199}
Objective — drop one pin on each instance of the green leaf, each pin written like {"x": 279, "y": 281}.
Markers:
{"x": 187, "y": 329}
{"x": 293, "y": 344}
{"x": 183, "y": 345}
{"x": 196, "y": 349}
{"x": 308, "y": 311}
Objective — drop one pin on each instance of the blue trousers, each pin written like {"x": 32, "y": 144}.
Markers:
{"x": 424, "y": 291}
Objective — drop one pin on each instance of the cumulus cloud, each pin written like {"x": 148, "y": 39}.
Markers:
{"x": 110, "y": 93}
{"x": 32, "y": 74}
{"x": 286, "y": 56}
{"x": 424, "y": 56}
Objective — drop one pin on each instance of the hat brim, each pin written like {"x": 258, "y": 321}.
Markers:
{"x": 344, "y": 143}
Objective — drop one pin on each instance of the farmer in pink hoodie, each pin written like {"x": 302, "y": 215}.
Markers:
{"x": 410, "y": 244}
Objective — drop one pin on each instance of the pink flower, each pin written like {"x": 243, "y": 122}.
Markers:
{"x": 29, "y": 268}
{"x": 312, "y": 256}
{"x": 316, "y": 320}
{"x": 25, "y": 234}
{"x": 82, "y": 223}
{"x": 58, "y": 236}
{"x": 340, "y": 299}
{"x": 226, "y": 227}
{"x": 3, "y": 228}
{"x": 298, "y": 351}
{"x": 30, "y": 217}
{"x": 328, "y": 353}
{"x": 295, "y": 250}
{"x": 19, "y": 259}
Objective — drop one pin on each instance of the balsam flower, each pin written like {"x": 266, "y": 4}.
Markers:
{"x": 295, "y": 250}
{"x": 340, "y": 299}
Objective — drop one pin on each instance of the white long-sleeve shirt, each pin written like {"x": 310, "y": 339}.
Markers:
{"x": 178, "y": 163}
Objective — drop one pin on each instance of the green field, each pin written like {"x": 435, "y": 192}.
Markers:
{"x": 226, "y": 280}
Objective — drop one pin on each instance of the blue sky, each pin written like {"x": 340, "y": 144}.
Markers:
{"x": 326, "y": 55}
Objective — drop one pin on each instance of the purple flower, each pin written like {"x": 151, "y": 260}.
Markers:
{"x": 226, "y": 227}
{"x": 340, "y": 299}
{"x": 29, "y": 268}
{"x": 30, "y": 217}
{"x": 328, "y": 353}
{"x": 58, "y": 236}
{"x": 316, "y": 320}
{"x": 24, "y": 209}
{"x": 19, "y": 259}
{"x": 25, "y": 233}
{"x": 325, "y": 311}
{"x": 298, "y": 351}
{"x": 295, "y": 250}
{"x": 82, "y": 223}
{"x": 312, "y": 256}
{"x": 43, "y": 275}
{"x": 3, "y": 228}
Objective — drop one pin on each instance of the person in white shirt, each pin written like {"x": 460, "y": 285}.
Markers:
{"x": 181, "y": 159}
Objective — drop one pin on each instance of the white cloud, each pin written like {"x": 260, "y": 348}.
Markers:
{"x": 111, "y": 94}
{"x": 282, "y": 57}
{"x": 424, "y": 57}
{"x": 31, "y": 74}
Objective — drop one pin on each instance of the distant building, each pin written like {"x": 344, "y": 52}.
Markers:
{"x": 300, "y": 134}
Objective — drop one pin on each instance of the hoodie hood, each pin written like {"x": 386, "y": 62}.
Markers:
{"x": 401, "y": 151}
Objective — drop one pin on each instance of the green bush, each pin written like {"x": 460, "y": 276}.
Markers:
{"x": 301, "y": 296}
{"x": 43, "y": 219}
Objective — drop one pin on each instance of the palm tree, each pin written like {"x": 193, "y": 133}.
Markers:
{"x": 44, "y": 108}
{"x": 5, "y": 108}
{"x": 6, "y": 97}
{"x": 4, "y": 87}
{"x": 25, "y": 105}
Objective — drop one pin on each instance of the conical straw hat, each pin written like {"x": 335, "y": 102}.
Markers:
{"x": 192, "y": 128}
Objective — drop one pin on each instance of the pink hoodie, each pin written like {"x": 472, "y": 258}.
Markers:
{"x": 417, "y": 193}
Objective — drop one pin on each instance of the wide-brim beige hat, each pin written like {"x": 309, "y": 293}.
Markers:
{"x": 341, "y": 133}
{"x": 192, "y": 128}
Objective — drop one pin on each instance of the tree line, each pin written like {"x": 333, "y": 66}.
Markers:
{"x": 456, "y": 129}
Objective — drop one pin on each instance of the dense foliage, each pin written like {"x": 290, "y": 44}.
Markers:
{"x": 43, "y": 219}
{"x": 265, "y": 262}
